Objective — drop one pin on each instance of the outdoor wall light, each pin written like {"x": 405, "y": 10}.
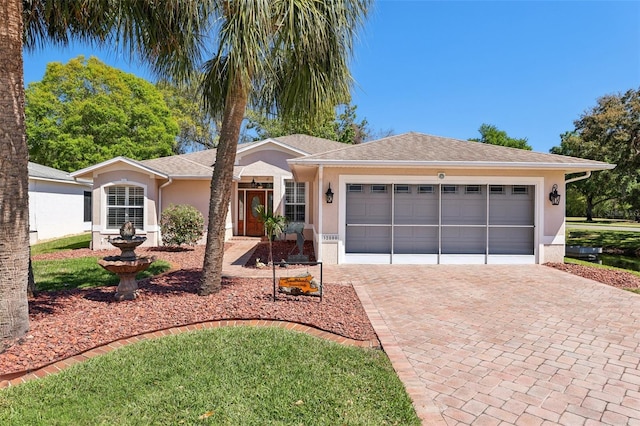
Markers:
{"x": 253, "y": 183}
{"x": 554, "y": 197}
{"x": 329, "y": 195}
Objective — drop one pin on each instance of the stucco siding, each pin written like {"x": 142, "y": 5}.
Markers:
{"x": 118, "y": 175}
{"x": 56, "y": 209}
{"x": 192, "y": 192}
{"x": 271, "y": 156}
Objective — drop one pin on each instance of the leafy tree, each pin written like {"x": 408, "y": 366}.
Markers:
{"x": 610, "y": 132}
{"x": 338, "y": 124}
{"x": 163, "y": 33}
{"x": 492, "y": 135}
{"x": 85, "y": 112}
{"x": 198, "y": 130}
{"x": 284, "y": 57}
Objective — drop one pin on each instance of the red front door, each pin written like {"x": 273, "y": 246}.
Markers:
{"x": 254, "y": 226}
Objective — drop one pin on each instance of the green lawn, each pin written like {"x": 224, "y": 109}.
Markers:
{"x": 225, "y": 376}
{"x": 82, "y": 272}
{"x": 66, "y": 243}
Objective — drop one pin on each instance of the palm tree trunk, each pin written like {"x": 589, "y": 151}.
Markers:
{"x": 14, "y": 179}
{"x": 221, "y": 185}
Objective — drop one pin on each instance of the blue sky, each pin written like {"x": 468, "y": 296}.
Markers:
{"x": 445, "y": 67}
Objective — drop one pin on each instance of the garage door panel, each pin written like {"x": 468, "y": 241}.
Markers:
{"x": 367, "y": 207}
{"x": 463, "y": 240}
{"x": 368, "y": 239}
{"x": 415, "y": 240}
{"x": 516, "y": 241}
{"x": 464, "y": 209}
{"x": 512, "y": 208}
{"x": 416, "y": 208}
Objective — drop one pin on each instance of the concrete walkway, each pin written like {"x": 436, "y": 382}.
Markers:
{"x": 500, "y": 345}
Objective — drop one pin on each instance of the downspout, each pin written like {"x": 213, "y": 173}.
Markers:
{"x": 585, "y": 176}
{"x": 320, "y": 214}
{"x": 169, "y": 182}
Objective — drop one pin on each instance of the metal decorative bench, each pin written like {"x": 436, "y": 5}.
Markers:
{"x": 303, "y": 284}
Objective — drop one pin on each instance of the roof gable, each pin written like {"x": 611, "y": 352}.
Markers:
{"x": 87, "y": 172}
{"x": 297, "y": 144}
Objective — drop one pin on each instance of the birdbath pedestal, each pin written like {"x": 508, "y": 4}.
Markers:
{"x": 128, "y": 264}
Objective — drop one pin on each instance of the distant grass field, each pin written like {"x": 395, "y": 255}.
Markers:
{"x": 621, "y": 240}
{"x": 603, "y": 222}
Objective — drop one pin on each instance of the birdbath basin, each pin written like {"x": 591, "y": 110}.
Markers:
{"x": 128, "y": 264}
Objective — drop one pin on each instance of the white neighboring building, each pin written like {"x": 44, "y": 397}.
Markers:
{"x": 59, "y": 205}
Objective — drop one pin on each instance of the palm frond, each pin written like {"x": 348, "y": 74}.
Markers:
{"x": 166, "y": 34}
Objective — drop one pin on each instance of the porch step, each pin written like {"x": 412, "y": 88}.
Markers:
{"x": 243, "y": 238}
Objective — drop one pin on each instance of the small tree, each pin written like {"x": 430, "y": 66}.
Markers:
{"x": 181, "y": 224}
{"x": 274, "y": 225}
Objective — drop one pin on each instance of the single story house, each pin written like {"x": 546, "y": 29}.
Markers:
{"x": 410, "y": 198}
{"x": 59, "y": 205}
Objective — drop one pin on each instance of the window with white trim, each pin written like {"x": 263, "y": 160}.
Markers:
{"x": 125, "y": 203}
{"x": 294, "y": 201}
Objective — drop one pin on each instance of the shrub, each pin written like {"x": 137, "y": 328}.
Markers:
{"x": 181, "y": 224}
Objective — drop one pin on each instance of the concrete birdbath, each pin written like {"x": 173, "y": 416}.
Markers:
{"x": 128, "y": 264}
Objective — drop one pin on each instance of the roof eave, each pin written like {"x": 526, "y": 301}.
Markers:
{"x": 454, "y": 164}
{"x": 69, "y": 181}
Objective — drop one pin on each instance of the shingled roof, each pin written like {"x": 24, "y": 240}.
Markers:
{"x": 38, "y": 171}
{"x": 417, "y": 149}
{"x": 200, "y": 163}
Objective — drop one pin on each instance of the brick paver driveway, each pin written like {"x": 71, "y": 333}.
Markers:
{"x": 506, "y": 344}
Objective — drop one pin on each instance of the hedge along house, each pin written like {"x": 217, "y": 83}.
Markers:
{"x": 416, "y": 198}
{"x": 411, "y": 198}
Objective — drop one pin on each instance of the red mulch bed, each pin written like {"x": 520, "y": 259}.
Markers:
{"x": 65, "y": 323}
{"x": 619, "y": 279}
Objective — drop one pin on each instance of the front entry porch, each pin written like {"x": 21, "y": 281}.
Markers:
{"x": 250, "y": 196}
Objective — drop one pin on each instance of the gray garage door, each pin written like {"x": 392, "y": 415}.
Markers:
{"x": 439, "y": 223}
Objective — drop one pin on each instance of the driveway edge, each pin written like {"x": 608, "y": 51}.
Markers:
{"x": 426, "y": 408}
